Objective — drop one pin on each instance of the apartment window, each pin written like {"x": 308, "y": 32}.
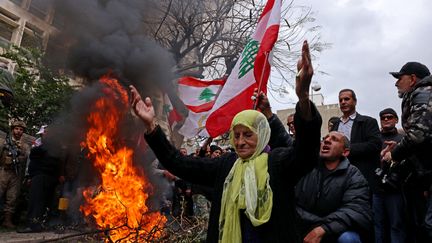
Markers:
{"x": 58, "y": 20}
{"x": 32, "y": 37}
{"x": 6, "y": 31}
{"x": 39, "y": 8}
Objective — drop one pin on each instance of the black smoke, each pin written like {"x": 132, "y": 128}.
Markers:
{"x": 110, "y": 35}
{"x": 106, "y": 36}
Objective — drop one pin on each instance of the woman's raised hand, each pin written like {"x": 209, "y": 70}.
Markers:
{"x": 143, "y": 108}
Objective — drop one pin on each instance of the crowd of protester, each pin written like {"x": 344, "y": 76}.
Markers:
{"x": 371, "y": 183}
{"x": 364, "y": 181}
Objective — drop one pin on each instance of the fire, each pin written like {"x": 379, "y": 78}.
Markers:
{"x": 120, "y": 201}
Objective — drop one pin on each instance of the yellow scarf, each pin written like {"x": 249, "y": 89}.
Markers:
{"x": 247, "y": 184}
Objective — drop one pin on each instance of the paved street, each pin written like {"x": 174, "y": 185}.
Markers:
{"x": 12, "y": 236}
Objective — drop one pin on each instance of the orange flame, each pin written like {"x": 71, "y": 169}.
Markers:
{"x": 120, "y": 202}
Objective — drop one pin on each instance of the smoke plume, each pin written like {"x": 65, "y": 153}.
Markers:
{"x": 101, "y": 36}
{"x": 111, "y": 35}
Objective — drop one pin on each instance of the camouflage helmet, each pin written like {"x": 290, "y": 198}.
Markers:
{"x": 18, "y": 124}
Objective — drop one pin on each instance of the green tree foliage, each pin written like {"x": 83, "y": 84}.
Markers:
{"x": 40, "y": 93}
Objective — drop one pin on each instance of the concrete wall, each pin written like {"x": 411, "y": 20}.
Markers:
{"x": 326, "y": 112}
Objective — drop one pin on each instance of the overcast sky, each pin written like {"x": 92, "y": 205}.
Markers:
{"x": 369, "y": 39}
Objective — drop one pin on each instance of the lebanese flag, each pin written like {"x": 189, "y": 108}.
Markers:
{"x": 173, "y": 116}
{"x": 198, "y": 95}
{"x": 235, "y": 96}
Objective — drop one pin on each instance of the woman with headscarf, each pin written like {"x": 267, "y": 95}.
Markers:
{"x": 253, "y": 188}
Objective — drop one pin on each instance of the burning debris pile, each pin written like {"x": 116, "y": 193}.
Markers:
{"x": 100, "y": 37}
{"x": 119, "y": 203}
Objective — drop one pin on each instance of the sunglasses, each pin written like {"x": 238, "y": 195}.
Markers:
{"x": 388, "y": 117}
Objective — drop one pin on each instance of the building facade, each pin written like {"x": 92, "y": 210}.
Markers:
{"x": 26, "y": 23}
{"x": 326, "y": 111}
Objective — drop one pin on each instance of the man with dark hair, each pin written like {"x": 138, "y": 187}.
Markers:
{"x": 290, "y": 124}
{"x": 331, "y": 122}
{"x": 215, "y": 151}
{"x": 364, "y": 136}
{"x": 414, "y": 84}
{"x": 390, "y": 204}
{"x": 333, "y": 199}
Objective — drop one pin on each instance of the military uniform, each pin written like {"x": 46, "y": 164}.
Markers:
{"x": 417, "y": 124}
{"x": 11, "y": 174}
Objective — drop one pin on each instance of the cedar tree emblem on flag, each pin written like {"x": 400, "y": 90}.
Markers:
{"x": 248, "y": 57}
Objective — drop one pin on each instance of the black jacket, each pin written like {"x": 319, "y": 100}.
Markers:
{"x": 392, "y": 135}
{"x": 338, "y": 202}
{"x": 365, "y": 148}
{"x": 279, "y": 138}
{"x": 285, "y": 166}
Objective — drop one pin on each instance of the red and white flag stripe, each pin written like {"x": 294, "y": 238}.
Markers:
{"x": 172, "y": 114}
{"x": 199, "y": 95}
{"x": 236, "y": 94}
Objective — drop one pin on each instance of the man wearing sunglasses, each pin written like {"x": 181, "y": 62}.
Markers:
{"x": 390, "y": 208}
{"x": 389, "y": 119}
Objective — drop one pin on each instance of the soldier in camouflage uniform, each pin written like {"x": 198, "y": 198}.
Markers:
{"x": 414, "y": 86}
{"x": 13, "y": 157}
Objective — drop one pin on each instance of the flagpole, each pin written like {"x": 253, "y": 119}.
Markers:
{"x": 261, "y": 80}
